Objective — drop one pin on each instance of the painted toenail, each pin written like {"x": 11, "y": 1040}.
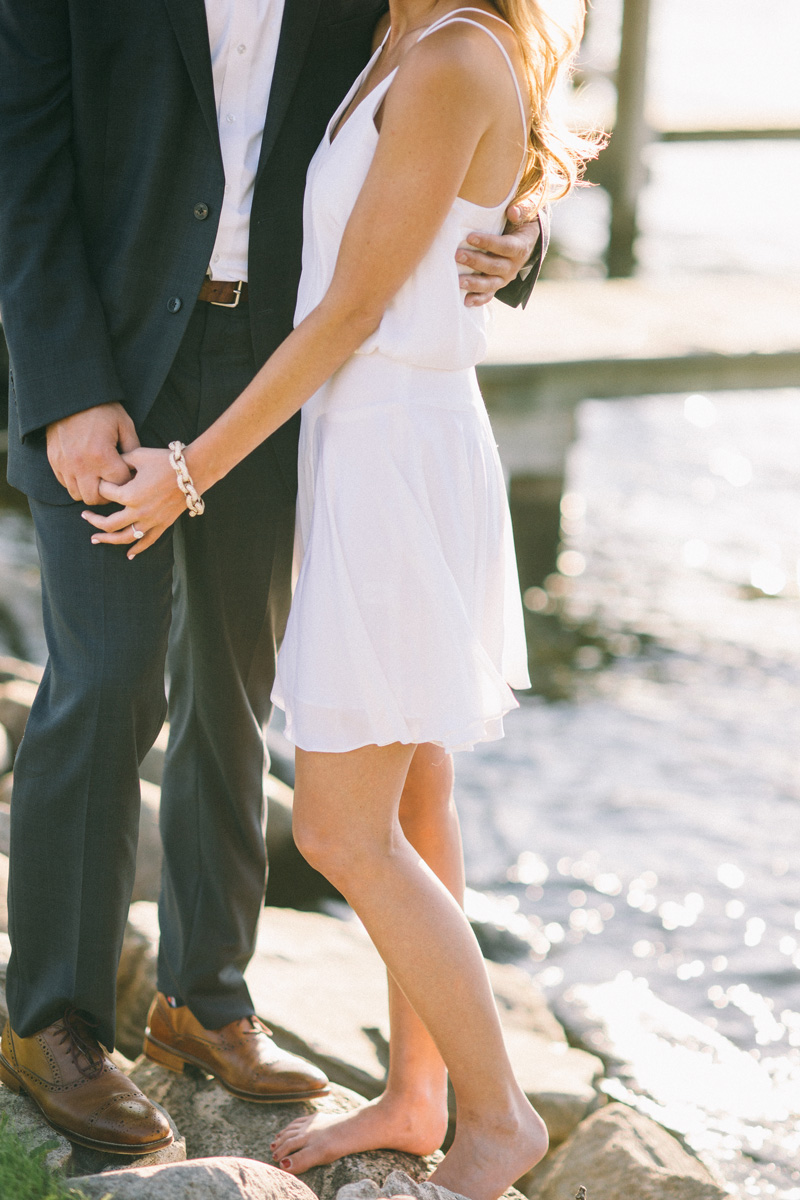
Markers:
{"x": 286, "y": 1163}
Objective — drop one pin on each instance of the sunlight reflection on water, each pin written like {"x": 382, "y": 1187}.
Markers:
{"x": 651, "y": 826}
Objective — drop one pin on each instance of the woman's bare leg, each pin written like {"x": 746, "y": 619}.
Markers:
{"x": 347, "y": 825}
{"x": 411, "y": 1113}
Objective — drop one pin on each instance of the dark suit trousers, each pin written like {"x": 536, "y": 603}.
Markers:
{"x": 226, "y": 577}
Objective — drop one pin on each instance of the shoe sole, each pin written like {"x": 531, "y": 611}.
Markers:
{"x": 9, "y": 1077}
{"x": 173, "y": 1060}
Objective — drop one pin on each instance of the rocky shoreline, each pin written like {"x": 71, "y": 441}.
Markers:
{"x": 319, "y": 984}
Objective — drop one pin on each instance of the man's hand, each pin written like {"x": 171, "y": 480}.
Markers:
{"x": 498, "y": 259}
{"x": 88, "y": 447}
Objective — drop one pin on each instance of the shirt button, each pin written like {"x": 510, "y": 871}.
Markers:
{"x": 241, "y": 48}
{"x": 174, "y": 304}
{"x": 201, "y": 211}
{"x": 230, "y": 118}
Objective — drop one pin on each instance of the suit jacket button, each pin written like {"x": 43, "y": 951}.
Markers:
{"x": 201, "y": 211}
{"x": 174, "y": 304}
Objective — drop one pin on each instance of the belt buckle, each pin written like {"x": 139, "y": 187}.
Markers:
{"x": 235, "y": 304}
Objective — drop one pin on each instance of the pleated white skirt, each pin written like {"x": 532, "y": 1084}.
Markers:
{"x": 406, "y": 623}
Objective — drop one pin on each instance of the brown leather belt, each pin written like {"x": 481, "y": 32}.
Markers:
{"x": 223, "y": 292}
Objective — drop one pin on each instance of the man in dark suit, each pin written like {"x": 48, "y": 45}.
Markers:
{"x": 152, "y": 164}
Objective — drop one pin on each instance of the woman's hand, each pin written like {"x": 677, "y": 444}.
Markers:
{"x": 151, "y": 502}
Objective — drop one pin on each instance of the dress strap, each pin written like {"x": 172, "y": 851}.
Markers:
{"x": 454, "y": 17}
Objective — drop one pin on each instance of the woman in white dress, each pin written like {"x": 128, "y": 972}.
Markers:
{"x": 406, "y": 633}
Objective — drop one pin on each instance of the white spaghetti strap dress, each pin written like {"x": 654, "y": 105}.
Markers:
{"x": 406, "y": 623}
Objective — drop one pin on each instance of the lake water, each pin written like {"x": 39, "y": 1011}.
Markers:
{"x": 649, "y": 828}
{"x": 643, "y": 836}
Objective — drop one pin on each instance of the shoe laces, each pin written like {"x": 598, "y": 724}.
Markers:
{"x": 76, "y": 1036}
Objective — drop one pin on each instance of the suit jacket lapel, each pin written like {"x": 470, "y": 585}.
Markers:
{"x": 299, "y": 18}
{"x": 191, "y": 29}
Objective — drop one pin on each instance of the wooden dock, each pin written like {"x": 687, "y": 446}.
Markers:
{"x": 607, "y": 339}
{"x": 610, "y": 338}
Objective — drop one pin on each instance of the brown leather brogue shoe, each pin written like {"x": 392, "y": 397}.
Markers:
{"x": 242, "y": 1055}
{"x": 79, "y": 1091}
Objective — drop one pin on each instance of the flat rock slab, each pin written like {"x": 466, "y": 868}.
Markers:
{"x": 3, "y": 893}
{"x": 136, "y": 976}
{"x": 5, "y": 955}
{"x": 207, "y": 1179}
{"x": 321, "y": 985}
{"x": 397, "y": 1184}
{"x": 6, "y": 751}
{"x": 617, "y": 1154}
{"x": 6, "y": 784}
{"x": 16, "y": 698}
{"x": 558, "y": 1080}
{"x": 216, "y": 1123}
{"x": 32, "y": 1129}
{"x": 17, "y": 668}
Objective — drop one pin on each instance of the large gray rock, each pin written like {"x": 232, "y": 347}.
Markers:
{"x": 136, "y": 977}
{"x": 521, "y": 1002}
{"x": 3, "y": 893}
{"x": 6, "y": 783}
{"x": 618, "y": 1153}
{"x": 5, "y": 954}
{"x": 321, "y": 985}
{"x": 31, "y": 1127}
{"x": 152, "y": 768}
{"x": 17, "y": 668}
{"x": 345, "y": 1028}
{"x": 16, "y": 698}
{"x": 208, "y": 1179}
{"x": 216, "y": 1123}
{"x": 558, "y": 1080}
{"x": 147, "y": 882}
{"x": 396, "y": 1184}
{"x": 302, "y": 982}
{"x": 6, "y": 750}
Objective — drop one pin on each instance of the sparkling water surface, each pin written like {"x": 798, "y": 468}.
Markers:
{"x": 645, "y": 836}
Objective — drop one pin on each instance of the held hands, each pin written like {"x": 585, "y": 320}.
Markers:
{"x": 498, "y": 259}
{"x": 151, "y": 502}
{"x": 88, "y": 447}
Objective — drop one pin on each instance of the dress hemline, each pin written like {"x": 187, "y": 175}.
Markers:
{"x": 485, "y": 729}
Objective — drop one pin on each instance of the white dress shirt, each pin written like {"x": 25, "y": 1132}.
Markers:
{"x": 243, "y": 35}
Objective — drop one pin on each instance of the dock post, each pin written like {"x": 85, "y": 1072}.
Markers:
{"x": 630, "y": 136}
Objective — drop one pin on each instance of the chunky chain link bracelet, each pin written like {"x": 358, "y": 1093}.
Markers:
{"x": 194, "y": 501}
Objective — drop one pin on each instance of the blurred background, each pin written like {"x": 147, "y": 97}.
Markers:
{"x": 635, "y": 839}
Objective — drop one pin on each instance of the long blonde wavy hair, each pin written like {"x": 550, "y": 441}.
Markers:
{"x": 556, "y": 154}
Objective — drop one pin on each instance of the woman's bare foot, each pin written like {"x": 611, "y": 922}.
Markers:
{"x": 415, "y": 1125}
{"x": 487, "y": 1156}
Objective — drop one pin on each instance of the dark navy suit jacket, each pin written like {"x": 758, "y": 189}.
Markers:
{"x": 111, "y": 182}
